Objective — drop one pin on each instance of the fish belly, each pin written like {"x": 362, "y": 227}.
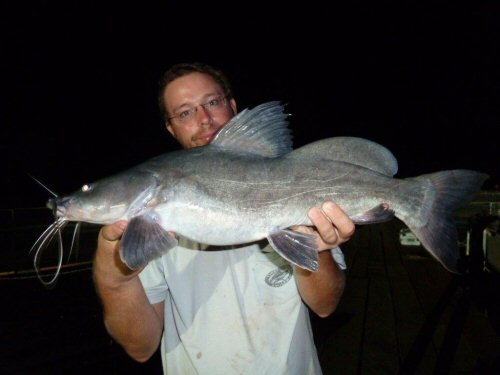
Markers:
{"x": 226, "y": 211}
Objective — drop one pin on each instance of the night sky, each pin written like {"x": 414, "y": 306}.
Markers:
{"x": 79, "y": 81}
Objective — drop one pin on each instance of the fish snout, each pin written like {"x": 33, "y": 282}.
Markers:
{"x": 58, "y": 205}
{"x": 51, "y": 204}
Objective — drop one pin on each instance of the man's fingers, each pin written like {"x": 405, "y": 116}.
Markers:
{"x": 333, "y": 225}
{"x": 345, "y": 226}
{"x": 323, "y": 225}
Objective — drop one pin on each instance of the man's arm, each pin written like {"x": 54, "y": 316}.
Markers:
{"x": 128, "y": 316}
{"x": 322, "y": 290}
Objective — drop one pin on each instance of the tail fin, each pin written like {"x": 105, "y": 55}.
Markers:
{"x": 449, "y": 191}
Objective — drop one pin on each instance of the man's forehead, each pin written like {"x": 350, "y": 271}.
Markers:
{"x": 190, "y": 89}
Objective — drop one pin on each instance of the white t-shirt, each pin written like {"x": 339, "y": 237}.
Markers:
{"x": 232, "y": 311}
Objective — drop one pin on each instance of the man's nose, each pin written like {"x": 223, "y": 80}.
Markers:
{"x": 204, "y": 116}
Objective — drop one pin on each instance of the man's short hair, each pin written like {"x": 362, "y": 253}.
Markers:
{"x": 182, "y": 69}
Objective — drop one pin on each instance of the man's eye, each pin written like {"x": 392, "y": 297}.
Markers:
{"x": 185, "y": 113}
{"x": 213, "y": 103}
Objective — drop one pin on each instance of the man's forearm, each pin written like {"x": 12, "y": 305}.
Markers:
{"x": 128, "y": 315}
{"x": 321, "y": 290}
{"x": 130, "y": 319}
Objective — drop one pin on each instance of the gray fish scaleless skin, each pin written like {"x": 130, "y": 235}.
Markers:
{"x": 249, "y": 184}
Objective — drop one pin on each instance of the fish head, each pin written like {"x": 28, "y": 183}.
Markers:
{"x": 108, "y": 200}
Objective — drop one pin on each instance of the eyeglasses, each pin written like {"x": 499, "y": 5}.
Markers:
{"x": 211, "y": 106}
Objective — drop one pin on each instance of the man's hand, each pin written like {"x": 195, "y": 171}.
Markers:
{"x": 108, "y": 267}
{"x": 322, "y": 290}
{"x": 113, "y": 232}
{"x": 128, "y": 315}
{"x": 331, "y": 224}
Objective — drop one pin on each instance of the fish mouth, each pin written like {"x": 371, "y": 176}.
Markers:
{"x": 51, "y": 204}
{"x": 56, "y": 206}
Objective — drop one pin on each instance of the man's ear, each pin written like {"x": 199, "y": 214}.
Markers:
{"x": 232, "y": 103}
{"x": 170, "y": 129}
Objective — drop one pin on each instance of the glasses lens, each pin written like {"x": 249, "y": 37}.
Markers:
{"x": 212, "y": 105}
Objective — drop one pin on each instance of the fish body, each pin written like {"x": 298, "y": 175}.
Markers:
{"x": 249, "y": 184}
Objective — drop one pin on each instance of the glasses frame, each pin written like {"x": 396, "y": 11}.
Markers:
{"x": 206, "y": 106}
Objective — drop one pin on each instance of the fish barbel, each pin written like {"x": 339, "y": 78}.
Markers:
{"x": 249, "y": 184}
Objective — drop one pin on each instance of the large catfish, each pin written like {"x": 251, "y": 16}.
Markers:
{"x": 248, "y": 184}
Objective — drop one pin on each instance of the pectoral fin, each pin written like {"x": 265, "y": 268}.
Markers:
{"x": 144, "y": 240}
{"x": 377, "y": 214}
{"x": 298, "y": 248}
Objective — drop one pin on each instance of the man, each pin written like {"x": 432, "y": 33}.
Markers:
{"x": 218, "y": 310}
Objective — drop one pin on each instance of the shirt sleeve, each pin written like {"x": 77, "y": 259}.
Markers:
{"x": 153, "y": 281}
{"x": 338, "y": 257}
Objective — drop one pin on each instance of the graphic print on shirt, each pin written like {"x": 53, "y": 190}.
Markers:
{"x": 279, "y": 276}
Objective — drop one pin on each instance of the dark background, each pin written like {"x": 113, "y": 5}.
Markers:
{"x": 79, "y": 81}
{"x": 78, "y": 87}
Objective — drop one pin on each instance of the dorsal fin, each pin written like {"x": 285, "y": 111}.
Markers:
{"x": 352, "y": 150}
{"x": 261, "y": 131}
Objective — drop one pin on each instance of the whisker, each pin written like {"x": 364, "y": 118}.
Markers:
{"x": 75, "y": 240}
{"x": 52, "y": 281}
{"x": 44, "y": 234}
{"x": 46, "y": 239}
{"x": 45, "y": 187}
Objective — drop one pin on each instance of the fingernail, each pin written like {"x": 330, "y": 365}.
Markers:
{"x": 328, "y": 206}
{"x": 314, "y": 213}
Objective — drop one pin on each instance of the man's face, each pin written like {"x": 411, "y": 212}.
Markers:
{"x": 188, "y": 92}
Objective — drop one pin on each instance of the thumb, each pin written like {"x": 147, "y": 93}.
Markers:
{"x": 114, "y": 231}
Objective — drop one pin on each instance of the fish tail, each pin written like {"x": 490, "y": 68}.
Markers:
{"x": 434, "y": 198}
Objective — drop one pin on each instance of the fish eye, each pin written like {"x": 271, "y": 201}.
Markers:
{"x": 86, "y": 187}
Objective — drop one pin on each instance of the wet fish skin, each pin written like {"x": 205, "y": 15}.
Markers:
{"x": 249, "y": 184}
